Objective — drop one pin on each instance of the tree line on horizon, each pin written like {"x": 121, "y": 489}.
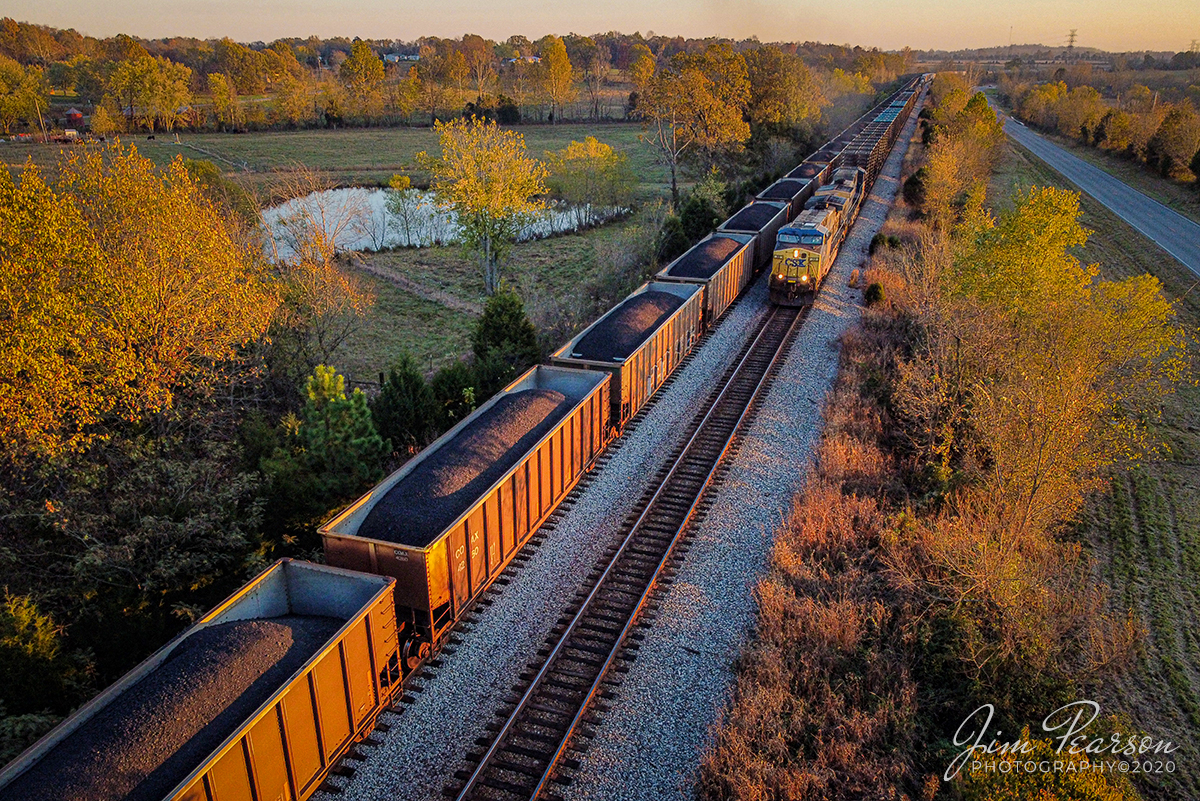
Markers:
{"x": 127, "y": 83}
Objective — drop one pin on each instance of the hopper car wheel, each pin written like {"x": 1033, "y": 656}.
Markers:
{"x": 415, "y": 652}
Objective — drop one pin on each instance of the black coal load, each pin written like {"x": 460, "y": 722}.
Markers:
{"x": 705, "y": 259}
{"x": 618, "y": 335}
{"x": 441, "y": 487}
{"x": 807, "y": 170}
{"x": 752, "y": 218}
{"x": 783, "y": 190}
{"x": 149, "y": 738}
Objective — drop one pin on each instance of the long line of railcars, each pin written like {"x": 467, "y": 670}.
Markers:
{"x": 322, "y": 649}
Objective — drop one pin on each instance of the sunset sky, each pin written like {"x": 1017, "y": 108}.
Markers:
{"x": 1117, "y": 25}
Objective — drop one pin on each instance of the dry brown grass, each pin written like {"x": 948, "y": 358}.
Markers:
{"x": 824, "y": 704}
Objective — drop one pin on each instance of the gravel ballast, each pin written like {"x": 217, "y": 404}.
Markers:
{"x": 621, "y": 331}
{"x": 149, "y": 738}
{"x": 419, "y": 507}
{"x": 649, "y": 745}
{"x": 752, "y": 217}
{"x": 705, "y": 259}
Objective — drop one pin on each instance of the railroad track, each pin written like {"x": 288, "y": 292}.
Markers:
{"x": 549, "y": 714}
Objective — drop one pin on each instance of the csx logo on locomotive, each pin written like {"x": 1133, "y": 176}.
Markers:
{"x": 794, "y": 262}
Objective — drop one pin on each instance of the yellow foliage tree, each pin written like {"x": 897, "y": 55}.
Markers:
{"x": 555, "y": 75}
{"x": 1059, "y": 372}
{"x": 590, "y": 173}
{"x": 122, "y": 285}
{"x": 488, "y": 179}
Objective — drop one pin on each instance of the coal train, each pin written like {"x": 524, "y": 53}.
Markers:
{"x": 262, "y": 697}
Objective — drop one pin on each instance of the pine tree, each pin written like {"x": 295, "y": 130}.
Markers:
{"x": 505, "y": 331}
{"x": 405, "y": 410}
{"x": 331, "y": 454}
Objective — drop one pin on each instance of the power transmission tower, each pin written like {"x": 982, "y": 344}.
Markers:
{"x": 1071, "y": 44}
{"x": 1194, "y": 47}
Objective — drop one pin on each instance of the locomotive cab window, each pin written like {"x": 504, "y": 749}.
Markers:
{"x": 811, "y": 239}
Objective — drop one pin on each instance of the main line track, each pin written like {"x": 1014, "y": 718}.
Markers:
{"x": 548, "y": 715}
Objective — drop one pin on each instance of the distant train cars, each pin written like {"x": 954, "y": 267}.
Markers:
{"x": 839, "y": 177}
{"x": 760, "y": 219}
{"x": 264, "y": 694}
{"x": 258, "y": 700}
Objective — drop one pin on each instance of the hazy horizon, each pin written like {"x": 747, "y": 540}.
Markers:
{"x": 1167, "y": 25}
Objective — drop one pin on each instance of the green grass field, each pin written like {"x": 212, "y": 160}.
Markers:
{"x": 354, "y": 156}
{"x": 427, "y": 300}
{"x": 1145, "y": 532}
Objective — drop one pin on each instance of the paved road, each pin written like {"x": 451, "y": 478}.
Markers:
{"x": 1173, "y": 232}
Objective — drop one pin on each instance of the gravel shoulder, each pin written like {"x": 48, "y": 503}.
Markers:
{"x": 649, "y": 745}
{"x": 427, "y": 743}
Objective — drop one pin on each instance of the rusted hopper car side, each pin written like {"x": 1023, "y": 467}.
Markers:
{"x": 722, "y": 263}
{"x": 316, "y": 647}
{"x": 446, "y": 523}
{"x": 655, "y": 338}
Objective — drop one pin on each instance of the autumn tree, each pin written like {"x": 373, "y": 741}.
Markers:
{"x": 456, "y": 71}
{"x": 322, "y": 303}
{"x": 428, "y": 78}
{"x": 1014, "y": 345}
{"x": 596, "y": 62}
{"x": 1177, "y": 139}
{"x": 641, "y": 67}
{"x": 480, "y": 62}
{"x": 555, "y": 75}
{"x": 782, "y": 90}
{"x": 362, "y": 72}
{"x": 226, "y": 106}
{"x": 590, "y": 174}
{"x": 485, "y": 176}
{"x": 695, "y": 105}
{"x": 152, "y": 90}
{"x": 122, "y": 284}
{"x": 22, "y": 94}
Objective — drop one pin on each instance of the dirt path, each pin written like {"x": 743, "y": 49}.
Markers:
{"x": 420, "y": 290}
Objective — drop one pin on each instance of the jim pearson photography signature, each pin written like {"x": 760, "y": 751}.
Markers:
{"x": 1072, "y": 720}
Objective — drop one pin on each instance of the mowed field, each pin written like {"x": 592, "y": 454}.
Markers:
{"x": 1145, "y": 532}
{"x": 427, "y": 300}
{"x": 353, "y": 156}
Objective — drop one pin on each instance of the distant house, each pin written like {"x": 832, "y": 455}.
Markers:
{"x": 74, "y": 118}
{"x": 526, "y": 59}
{"x": 396, "y": 58}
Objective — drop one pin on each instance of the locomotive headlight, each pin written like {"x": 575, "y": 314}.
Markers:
{"x": 781, "y": 276}
{"x": 804, "y": 279}
{"x": 796, "y": 253}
